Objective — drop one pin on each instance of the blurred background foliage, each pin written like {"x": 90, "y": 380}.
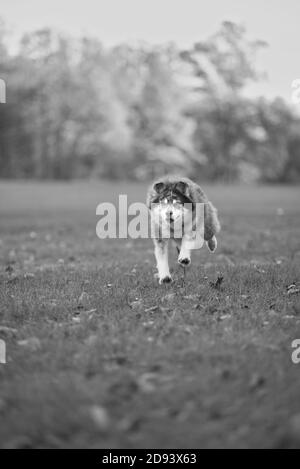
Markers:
{"x": 76, "y": 110}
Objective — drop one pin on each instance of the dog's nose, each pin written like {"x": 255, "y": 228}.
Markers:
{"x": 170, "y": 216}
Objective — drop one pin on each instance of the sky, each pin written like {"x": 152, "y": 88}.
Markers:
{"x": 181, "y": 21}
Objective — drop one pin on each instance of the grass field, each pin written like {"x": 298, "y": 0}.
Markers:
{"x": 100, "y": 355}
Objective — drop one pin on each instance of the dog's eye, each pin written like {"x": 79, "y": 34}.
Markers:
{"x": 164, "y": 201}
{"x": 175, "y": 201}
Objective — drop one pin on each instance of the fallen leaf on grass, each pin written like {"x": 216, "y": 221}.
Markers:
{"x": 278, "y": 261}
{"x": 217, "y": 284}
{"x": 198, "y": 306}
{"x": 84, "y": 297}
{"x": 272, "y": 313}
{"x": 145, "y": 382}
{"x": 90, "y": 311}
{"x": 29, "y": 275}
{"x": 8, "y": 330}
{"x": 82, "y": 313}
{"x": 151, "y": 309}
{"x": 261, "y": 271}
{"x": 76, "y": 319}
{"x": 32, "y": 343}
{"x": 168, "y": 297}
{"x": 166, "y": 310}
{"x": 190, "y": 297}
{"x": 257, "y": 381}
{"x": 225, "y": 316}
{"x": 292, "y": 289}
{"x": 100, "y": 417}
{"x": 9, "y": 269}
{"x": 128, "y": 424}
{"x": 136, "y": 305}
{"x": 148, "y": 323}
{"x": 186, "y": 329}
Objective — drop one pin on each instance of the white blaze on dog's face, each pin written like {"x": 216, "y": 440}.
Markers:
{"x": 171, "y": 207}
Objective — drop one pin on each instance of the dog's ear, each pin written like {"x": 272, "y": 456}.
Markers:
{"x": 181, "y": 187}
{"x": 159, "y": 187}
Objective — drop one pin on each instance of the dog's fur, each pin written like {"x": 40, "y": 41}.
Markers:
{"x": 170, "y": 193}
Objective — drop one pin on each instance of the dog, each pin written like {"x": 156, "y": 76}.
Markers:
{"x": 169, "y": 200}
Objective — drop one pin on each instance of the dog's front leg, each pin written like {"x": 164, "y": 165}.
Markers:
{"x": 184, "y": 257}
{"x": 161, "y": 255}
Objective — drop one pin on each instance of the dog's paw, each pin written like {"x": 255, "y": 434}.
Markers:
{"x": 184, "y": 261}
{"x": 166, "y": 279}
{"x": 212, "y": 244}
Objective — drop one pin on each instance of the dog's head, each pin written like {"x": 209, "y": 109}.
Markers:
{"x": 171, "y": 199}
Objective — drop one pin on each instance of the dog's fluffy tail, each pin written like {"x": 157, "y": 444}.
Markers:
{"x": 212, "y": 244}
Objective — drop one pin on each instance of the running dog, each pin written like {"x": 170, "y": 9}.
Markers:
{"x": 169, "y": 200}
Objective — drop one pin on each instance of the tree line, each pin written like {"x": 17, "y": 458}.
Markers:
{"x": 75, "y": 109}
